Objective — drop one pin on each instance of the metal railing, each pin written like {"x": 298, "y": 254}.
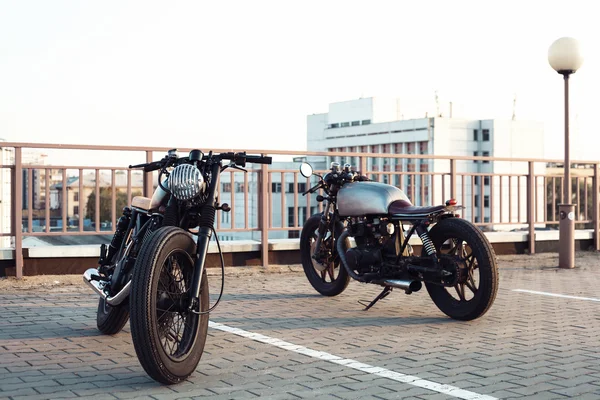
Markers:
{"x": 498, "y": 193}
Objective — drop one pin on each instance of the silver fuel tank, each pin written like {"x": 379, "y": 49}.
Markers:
{"x": 367, "y": 198}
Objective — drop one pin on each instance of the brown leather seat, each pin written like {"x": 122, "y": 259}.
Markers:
{"x": 406, "y": 208}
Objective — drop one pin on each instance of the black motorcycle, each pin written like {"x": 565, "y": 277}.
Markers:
{"x": 153, "y": 271}
{"x": 457, "y": 262}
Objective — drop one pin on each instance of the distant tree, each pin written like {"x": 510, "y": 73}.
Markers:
{"x": 105, "y": 203}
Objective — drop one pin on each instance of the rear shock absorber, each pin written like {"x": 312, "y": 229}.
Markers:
{"x": 427, "y": 243}
{"x": 117, "y": 239}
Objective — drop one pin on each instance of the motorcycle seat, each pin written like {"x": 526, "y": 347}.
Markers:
{"x": 141, "y": 202}
{"x": 403, "y": 207}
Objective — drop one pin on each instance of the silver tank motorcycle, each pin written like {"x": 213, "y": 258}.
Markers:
{"x": 153, "y": 272}
{"x": 457, "y": 262}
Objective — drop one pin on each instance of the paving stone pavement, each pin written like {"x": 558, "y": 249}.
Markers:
{"x": 528, "y": 346}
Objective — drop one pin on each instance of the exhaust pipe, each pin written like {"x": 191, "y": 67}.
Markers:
{"x": 407, "y": 286}
{"x": 91, "y": 278}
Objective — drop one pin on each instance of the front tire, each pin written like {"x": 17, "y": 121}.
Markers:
{"x": 461, "y": 243}
{"x": 326, "y": 274}
{"x": 168, "y": 338}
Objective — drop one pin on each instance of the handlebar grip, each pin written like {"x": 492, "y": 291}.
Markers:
{"x": 138, "y": 165}
{"x": 153, "y": 166}
{"x": 259, "y": 159}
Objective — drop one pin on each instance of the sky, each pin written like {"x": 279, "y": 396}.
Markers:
{"x": 245, "y": 74}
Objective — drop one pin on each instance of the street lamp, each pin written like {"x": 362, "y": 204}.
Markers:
{"x": 564, "y": 55}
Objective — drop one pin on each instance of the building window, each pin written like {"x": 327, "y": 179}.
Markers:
{"x": 486, "y": 154}
{"x": 226, "y": 187}
{"x": 485, "y": 135}
{"x": 301, "y": 187}
{"x": 76, "y": 210}
{"x": 486, "y": 201}
{"x": 225, "y": 218}
{"x": 276, "y": 187}
{"x": 355, "y": 123}
{"x": 475, "y": 132}
{"x": 334, "y": 126}
{"x": 476, "y": 200}
{"x": 476, "y": 180}
{"x": 475, "y": 154}
{"x": 76, "y": 196}
{"x": 486, "y": 181}
{"x": 345, "y": 124}
{"x": 366, "y": 122}
{"x": 423, "y": 147}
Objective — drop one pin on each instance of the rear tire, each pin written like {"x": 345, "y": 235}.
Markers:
{"x": 328, "y": 276}
{"x": 111, "y": 319}
{"x": 168, "y": 338}
{"x": 462, "y": 243}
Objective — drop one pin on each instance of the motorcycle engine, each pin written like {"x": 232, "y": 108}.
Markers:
{"x": 373, "y": 237}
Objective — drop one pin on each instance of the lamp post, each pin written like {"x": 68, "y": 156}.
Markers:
{"x": 564, "y": 55}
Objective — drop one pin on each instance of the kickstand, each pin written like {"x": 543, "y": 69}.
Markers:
{"x": 386, "y": 290}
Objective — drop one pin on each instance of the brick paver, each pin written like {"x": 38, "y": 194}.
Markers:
{"x": 527, "y": 346}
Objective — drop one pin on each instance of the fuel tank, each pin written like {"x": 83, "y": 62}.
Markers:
{"x": 367, "y": 198}
{"x": 158, "y": 196}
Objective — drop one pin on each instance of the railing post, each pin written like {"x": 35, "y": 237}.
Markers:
{"x": 264, "y": 215}
{"x": 531, "y": 207}
{"x": 452, "y": 179}
{"x": 18, "y": 212}
{"x": 148, "y": 177}
{"x": 595, "y": 211}
{"x": 363, "y": 164}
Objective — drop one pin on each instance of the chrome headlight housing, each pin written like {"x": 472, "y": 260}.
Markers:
{"x": 186, "y": 182}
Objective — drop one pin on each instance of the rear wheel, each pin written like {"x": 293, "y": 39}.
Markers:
{"x": 325, "y": 273}
{"x": 464, "y": 249}
{"x": 111, "y": 319}
{"x": 168, "y": 338}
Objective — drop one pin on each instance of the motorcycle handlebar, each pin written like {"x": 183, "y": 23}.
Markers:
{"x": 241, "y": 158}
{"x": 259, "y": 159}
{"x": 238, "y": 158}
{"x": 148, "y": 167}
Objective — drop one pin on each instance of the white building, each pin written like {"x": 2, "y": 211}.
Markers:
{"x": 7, "y": 158}
{"x": 370, "y": 125}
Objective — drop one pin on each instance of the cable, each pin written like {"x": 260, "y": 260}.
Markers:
{"x": 222, "y": 278}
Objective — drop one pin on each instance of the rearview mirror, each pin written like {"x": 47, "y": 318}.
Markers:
{"x": 306, "y": 170}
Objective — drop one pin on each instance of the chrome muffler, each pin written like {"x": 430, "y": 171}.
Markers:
{"x": 407, "y": 286}
{"x": 88, "y": 277}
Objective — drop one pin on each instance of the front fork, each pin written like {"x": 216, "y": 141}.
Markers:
{"x": 322, "y": 231}
{"x": 205, "y": 229}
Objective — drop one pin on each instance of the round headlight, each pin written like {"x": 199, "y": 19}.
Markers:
{"x": 186, "y": 182}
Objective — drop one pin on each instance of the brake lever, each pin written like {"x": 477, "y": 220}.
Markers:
{"x": 232, "y": 165}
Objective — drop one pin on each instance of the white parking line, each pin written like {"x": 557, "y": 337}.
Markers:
{"x": 370, "y": 369}
{"x": 564, "y": 296}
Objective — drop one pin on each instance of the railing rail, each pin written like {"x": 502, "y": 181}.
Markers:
{"x": 501, "y": 193}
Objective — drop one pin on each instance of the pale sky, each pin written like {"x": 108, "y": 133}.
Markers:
{"x": 245, "y": 74}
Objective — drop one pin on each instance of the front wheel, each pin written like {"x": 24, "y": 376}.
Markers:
{"x": 461, "y": 246}
{"x": 325, "y": 272}
{"x": 168, "y": 337}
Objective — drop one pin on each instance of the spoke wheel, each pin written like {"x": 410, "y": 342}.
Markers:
{"x": 325, "y": 273}
{"x": 176, "y": 325}
{"x": 464, "y": 250}
{"x": 168, "y": 338}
